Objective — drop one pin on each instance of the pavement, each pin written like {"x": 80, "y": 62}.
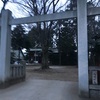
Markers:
{"x": 35, "y": 89}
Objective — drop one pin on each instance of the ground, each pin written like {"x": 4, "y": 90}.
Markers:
{"x": 57, "y": 83}
{"x": 62, "y": 73}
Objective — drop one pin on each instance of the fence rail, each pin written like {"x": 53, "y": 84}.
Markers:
{"x": 17, "y": 71}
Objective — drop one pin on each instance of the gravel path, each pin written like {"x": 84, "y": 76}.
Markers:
{"x": 62, "y": 73}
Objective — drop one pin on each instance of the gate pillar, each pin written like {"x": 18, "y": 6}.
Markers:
{"x": 5, "y": 46}
{"x": 82, "y": 48}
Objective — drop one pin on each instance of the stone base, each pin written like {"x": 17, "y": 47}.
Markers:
{"x": 95, "y": 94}
{"x": 17, "y": 80}
{"x": 11, "y": 82}
{"x": 4, "y": 84}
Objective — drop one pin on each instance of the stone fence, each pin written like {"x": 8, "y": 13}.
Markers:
{"x": 18, "y": 72}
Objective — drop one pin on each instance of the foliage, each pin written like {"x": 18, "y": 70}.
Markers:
{"x": 12, "y": 60}
{"x": 67, "y": 41}
{"x": 93, "y": 36}
{"x": 19, "y": 38}
{"x": 94, "y": 41}
{"x": 34, "y": 37}
{"x": 66, "y": 38}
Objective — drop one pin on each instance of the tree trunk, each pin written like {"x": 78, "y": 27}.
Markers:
{"x": 45, "y": 46}
{"x": 45, "y": 64}
{"x": 18, "y": 56}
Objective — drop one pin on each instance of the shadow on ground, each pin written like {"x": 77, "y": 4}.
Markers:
{"x": 62, "y": 73}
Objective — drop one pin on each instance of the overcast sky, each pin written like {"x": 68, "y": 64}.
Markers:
{"x": 15, "y": 10}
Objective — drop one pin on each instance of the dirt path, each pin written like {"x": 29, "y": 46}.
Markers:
{"x": 62, "y": 73}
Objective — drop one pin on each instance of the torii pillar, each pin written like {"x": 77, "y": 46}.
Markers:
{"x": 5, "y": 45}
{"x": 82, "y": 48}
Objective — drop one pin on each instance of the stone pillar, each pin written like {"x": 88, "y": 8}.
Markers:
{"x": 5, "y": 45}
{"x": 82, "y": 48}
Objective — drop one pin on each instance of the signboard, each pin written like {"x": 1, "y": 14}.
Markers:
{"x": 94, "y": 77}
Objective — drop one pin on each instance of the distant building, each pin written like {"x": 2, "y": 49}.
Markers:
{"x": 35, "y": 55}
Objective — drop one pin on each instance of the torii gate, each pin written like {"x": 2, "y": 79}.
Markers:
{"x": 6, "y": 21}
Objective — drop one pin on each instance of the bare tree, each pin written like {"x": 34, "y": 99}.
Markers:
{"x": 4, "y": 3}
{"x": 42, "y": 7}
